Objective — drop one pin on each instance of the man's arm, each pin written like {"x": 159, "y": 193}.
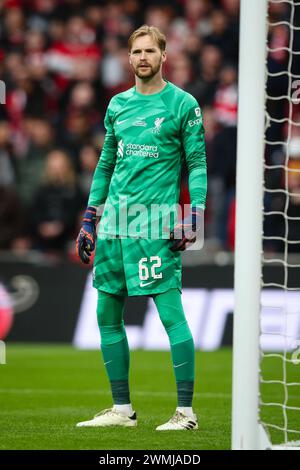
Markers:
{"x": 85, "y": 243}
{"x": 192, "y": 135}
{"x": 106, "y": 164}
{"x": 195, "y": 155}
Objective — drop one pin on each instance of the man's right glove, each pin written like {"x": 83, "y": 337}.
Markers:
{"x": 85, "y": 243}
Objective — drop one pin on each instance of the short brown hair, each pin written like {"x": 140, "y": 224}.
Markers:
{"x": 152, "y": 31}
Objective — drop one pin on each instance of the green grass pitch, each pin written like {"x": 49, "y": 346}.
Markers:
{"x": 45, "y": 390}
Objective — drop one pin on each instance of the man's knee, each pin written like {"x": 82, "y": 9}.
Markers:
{"x": 179, "y": 332}
{"x": 111, "y": 334}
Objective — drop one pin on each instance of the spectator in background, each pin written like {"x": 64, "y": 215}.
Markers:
{"x": 43, "y": 96}
{"x": 224, "y": 147}
{"x": 10, "y": 217}
{"x": 31, "y": 164}
{"x": 17, "y": 82}
{"x": 215, "y": 188}
{"x": 41, "y": 12}
{"x": 55, "y": 30}
{"x": 287, "y": 203}
{"x": 226, "y": 97}
{"x": 88, "y": 161}
{"x": 197, "y": 17}
{"x": 181, "y": 72}
{"x": 7, "y": 171}
{"x": 56, "y": 204}
{"x": 293, "y": 209}
{"x": 191, "y": 46}
{"x": 115, "y": 71}
{"x": 94, "y": 14}
{"x": 277, "y": 85}
{"x": 160, "y": 16}
{"x": 77, "y": 131}
{"x": 10, "y": 207}
{"x": 204, "y": 87}
{"x": 219, "y": 35}
{"x": 76, "y": 56}
{"x": 79, "y": 120}
{"x": 13, "y": 26}
{"x": 231, "y": 9}
{"x": 82, "y": 97}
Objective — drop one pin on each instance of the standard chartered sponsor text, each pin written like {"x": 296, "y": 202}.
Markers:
{"x": 142, "y": 150}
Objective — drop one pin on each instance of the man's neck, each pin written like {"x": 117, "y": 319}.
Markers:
{"x": 154, "y": 85}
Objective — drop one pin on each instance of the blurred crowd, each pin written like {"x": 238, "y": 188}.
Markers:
{"x": 282, "y": 151}
{"x": 62, "y": 60}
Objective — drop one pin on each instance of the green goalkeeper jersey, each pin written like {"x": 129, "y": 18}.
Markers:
{"x": 137, "y": 179}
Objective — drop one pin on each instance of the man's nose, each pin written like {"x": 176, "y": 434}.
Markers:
{"x": 143, "y": 55}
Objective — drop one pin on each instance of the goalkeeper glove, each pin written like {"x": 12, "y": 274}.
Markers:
{"x": 186, "y": 231}
{"x": 85, "y": 243}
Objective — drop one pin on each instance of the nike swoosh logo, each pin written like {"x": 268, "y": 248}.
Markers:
{"x": 107, "y": 362}
{"x": 178, "y": 365}
{"x": 146, "y": 283}
{"x": 120, "y": 122}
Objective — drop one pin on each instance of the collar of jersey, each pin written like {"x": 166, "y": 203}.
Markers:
{"x": 152, "y": 94}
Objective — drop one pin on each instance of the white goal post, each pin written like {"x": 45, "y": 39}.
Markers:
{"x": 248, "y": 429}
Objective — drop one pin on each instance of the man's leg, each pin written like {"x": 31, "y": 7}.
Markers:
{"x": 171, "y": 313}
{"x": 115, "y": 351}
{"x": 114, "y": 346}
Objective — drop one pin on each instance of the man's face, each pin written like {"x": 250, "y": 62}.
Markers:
{"x": 146, "y": 57}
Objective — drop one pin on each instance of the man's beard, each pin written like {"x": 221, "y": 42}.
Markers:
{"x": 151, "y": 71}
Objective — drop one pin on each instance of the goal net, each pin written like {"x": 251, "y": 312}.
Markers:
{"x": 266, "y": 364}
{"x": 279, "y": 400}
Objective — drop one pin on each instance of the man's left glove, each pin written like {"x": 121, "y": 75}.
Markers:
{"x": 85, "y": 243}
{"x": 186, "y": 231}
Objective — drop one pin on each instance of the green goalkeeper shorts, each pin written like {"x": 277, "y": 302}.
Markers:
{"x": 136, "y": 266}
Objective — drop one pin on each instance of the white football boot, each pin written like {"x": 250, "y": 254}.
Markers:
{"x": 179, "y": 422}
{"x": 110, "y": 417}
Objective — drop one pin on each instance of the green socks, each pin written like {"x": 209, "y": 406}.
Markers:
{"x": 114, "y": 345}
{"x": 183, "y": 364}
{"x": 172, "y": 316}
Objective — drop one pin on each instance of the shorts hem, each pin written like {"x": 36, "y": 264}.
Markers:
{"x": 110, "y": 291}
{"x": 153, "y": 292}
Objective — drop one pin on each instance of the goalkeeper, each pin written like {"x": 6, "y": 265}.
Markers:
{"x": 150, "y": 129}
